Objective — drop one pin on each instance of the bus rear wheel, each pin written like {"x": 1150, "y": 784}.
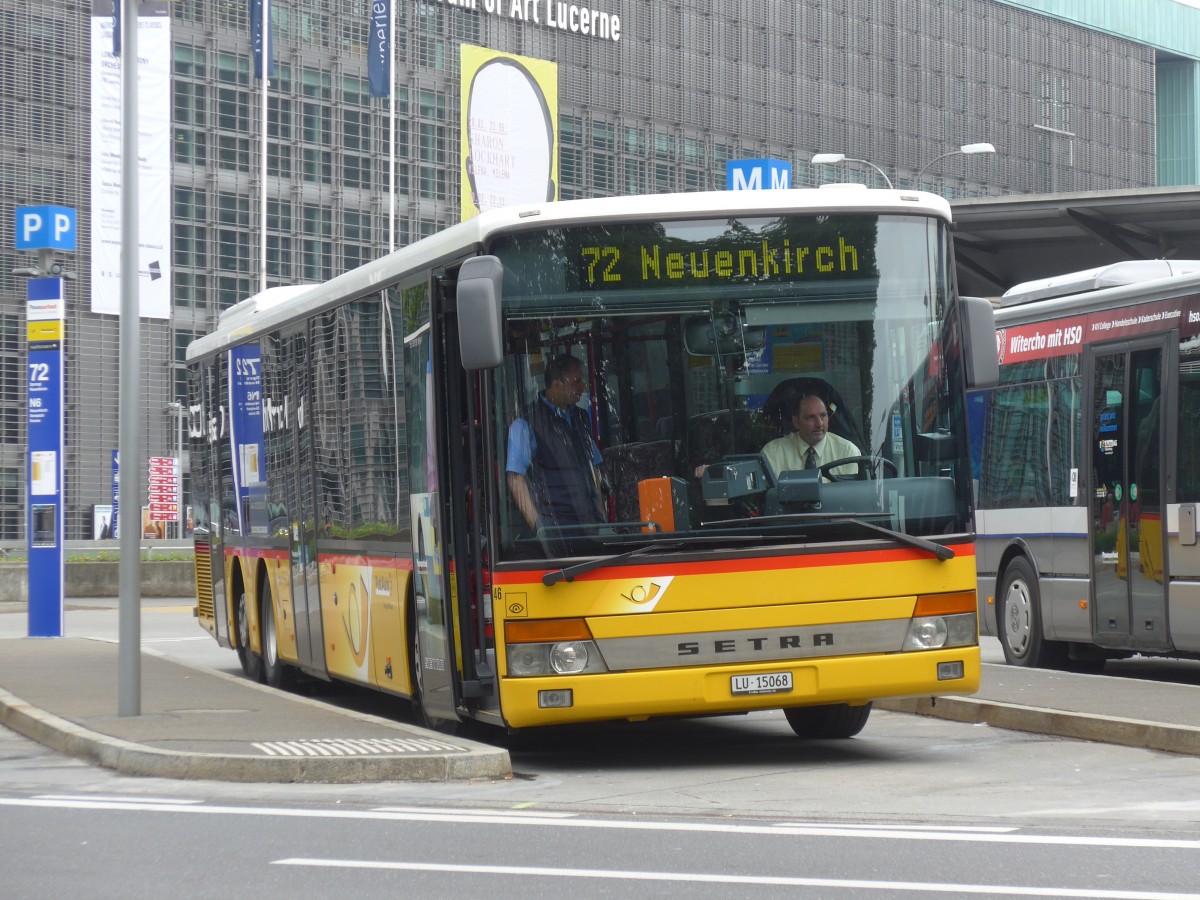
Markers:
{"x": 834, "y": 721}
{"x": 251, "y": 661}
{"x": 1019, "y": 621}
{"x": 276, "y": 672}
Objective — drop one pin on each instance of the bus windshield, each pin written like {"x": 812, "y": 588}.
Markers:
{"x": 665, "y": 381}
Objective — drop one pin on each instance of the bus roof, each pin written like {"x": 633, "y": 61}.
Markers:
{"x": 1114, "y": 275}
{"x": 276, "y": 307}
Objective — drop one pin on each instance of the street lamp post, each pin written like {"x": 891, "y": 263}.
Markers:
{"x": 964, "y": 150}
{"x": 832, "y": 159}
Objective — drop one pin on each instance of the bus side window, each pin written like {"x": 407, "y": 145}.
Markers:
{"x": 1188, "y": 466}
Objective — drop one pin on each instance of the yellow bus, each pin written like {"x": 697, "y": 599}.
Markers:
{"x": 365, "y": 455}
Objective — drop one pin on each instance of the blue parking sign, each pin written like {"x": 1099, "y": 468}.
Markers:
{"x": 45, "y": 228}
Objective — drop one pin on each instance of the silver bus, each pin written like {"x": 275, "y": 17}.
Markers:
{"x": 1086, "y": 458}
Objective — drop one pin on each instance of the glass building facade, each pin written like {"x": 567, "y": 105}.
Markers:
{"x": 688, "y": 86}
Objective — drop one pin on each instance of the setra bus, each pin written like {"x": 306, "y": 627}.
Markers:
{"x": 1087, "y": 455}
{"x": 350, "y": 446}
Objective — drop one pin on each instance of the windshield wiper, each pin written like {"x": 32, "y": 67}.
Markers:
{"x": 570, "y": 571}
{"x": 941, "y": 551}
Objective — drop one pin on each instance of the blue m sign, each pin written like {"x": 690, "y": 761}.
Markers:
{"x": 757, "y": 174}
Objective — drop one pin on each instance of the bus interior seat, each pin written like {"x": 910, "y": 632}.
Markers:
{"x": 712, "y": 436}
{"x": 778, "y": 406}
{"x": 626, "y": 464}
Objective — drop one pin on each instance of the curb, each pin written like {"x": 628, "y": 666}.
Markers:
{"x": 1183, "y": 739}
{"x": 135, "y": 759}
{"x": 475, "y": 762}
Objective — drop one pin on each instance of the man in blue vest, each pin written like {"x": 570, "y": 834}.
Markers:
{"x": 553, "y": 463}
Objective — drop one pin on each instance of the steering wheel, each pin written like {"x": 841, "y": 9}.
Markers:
{"x": 864, "y": 464}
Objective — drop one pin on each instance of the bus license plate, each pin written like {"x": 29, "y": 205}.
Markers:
{"x": 762, "y": 683}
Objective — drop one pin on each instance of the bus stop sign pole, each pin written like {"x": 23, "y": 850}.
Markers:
{"x": 44, "y": 335}
{"x": 45, "y": 229}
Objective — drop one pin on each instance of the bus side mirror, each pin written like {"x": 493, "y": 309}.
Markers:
{"x": 981, "y": 359}
{"x": 480, "y": 287}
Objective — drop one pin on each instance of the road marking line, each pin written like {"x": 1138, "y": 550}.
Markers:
{"x": 770, "y": 880}
{"x": 525, "y": 813}
{"x": 114, "y": 799}
{"x": 509, "y": 819}
{"x": 897, "y": 828}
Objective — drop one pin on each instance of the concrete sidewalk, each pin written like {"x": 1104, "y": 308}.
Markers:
{"x": 1105, "y": 708}
{"x": 197, "y": 723}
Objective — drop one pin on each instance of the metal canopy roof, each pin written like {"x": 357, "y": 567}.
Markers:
{"x": 1002, "y": 241}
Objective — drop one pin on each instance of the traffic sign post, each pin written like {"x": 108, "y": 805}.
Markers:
{"x": 45, "y": 229}
{"x": 44, "y": 318}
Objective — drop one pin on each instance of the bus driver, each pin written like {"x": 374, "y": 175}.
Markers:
{"x": 552, "y": 468}
{"x": 812, "y": 444}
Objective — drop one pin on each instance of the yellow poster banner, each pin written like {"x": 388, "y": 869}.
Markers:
{"x": 509, "y": 129}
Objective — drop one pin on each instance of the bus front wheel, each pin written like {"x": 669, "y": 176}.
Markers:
{"x": 420, "y": 714}
{"x": 1019, "y": 621}
{"x": 833, "y": 721}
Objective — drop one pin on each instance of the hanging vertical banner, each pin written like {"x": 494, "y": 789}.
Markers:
{"x": 116, "y": 490}
{"x": 256, "y": 38}
{"x": 44, "y": 323}
{"x": 509, "y": 126}
{"x": 154, "y": 166}
{"x": 379, "y": 48}
{"x": 246, "y": 437}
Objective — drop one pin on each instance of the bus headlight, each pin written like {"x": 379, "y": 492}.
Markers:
{"x": 927, "y": 633}
{"x": 569, "y": 657}
{"x": 932, "y": 632}
{"x": 554, "y": 658}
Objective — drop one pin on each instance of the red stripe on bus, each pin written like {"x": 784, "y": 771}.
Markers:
{"x": 755, "y": 564}
{"x": 357, "y": 559}
{"x": 255, "y": 553}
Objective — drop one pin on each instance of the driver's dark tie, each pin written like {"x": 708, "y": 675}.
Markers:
{"x": 810, "y": 458}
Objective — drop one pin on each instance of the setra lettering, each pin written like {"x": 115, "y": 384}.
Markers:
{"x": 754, "y": 644}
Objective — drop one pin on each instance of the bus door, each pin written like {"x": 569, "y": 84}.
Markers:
{"x": 445, "y": 472}
{"x": 469, "y": 456}
{"x": 301, "y": 506}
{"x": 1128, "y": 490}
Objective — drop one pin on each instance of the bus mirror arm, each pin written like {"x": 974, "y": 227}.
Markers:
{"x": 479, "y": 291}
{"x": 981, "y": 361}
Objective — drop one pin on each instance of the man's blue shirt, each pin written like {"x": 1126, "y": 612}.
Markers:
{"x": 522, "y": 444}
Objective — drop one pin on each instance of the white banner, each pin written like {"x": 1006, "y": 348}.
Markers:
{"x": 154, "y": 168}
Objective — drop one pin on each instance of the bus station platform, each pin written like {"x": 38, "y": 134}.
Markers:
{"x": 1107, "y": 708}
{"x": 198, "y": 723}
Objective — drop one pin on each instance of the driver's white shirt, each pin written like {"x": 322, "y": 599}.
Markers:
{"x": 786, "y": 454}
